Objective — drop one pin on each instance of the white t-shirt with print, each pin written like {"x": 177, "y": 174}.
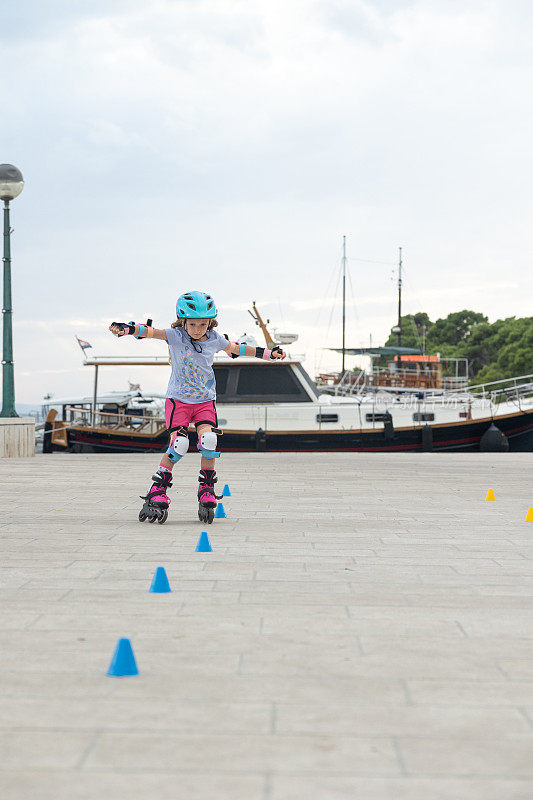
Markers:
{"x": 192, "y": 379}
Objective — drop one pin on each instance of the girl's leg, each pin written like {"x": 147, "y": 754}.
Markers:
{"x": 178, "y": 447}
{"x": 177, "y": 417}
{"x": 156, "y": 499}
{"x": 166, "y": 463}
{"x": 206, "y": 463}
{"x": 207, "y": 479}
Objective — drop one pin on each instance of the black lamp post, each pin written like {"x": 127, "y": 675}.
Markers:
{"x": 11, "y": 185}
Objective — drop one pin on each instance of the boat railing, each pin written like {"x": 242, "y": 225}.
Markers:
{"x": 350, "y": 383}
{"x": 511, "y": 394}
{"x": 452, "y": 383}
{"x": 112, "y": 420}
{"x": 504, "y": 389}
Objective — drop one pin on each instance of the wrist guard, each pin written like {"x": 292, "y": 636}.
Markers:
{"x": 127, "y": 327}
{"x": 261, "y": 352}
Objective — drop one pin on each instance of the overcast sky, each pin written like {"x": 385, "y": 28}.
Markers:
{"x": 227, "y": 146}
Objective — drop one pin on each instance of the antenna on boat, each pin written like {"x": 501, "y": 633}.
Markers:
{"x": 343, "y": 300}
{"x": 259, "y": 321}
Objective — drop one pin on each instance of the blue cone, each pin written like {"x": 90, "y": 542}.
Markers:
{"x": 225, "y": 491}
{"x": 204, "y": 545}
{"x": 123, "y": 661}
{"x": 160, "y": 582}
{"x": 219, "y": 512}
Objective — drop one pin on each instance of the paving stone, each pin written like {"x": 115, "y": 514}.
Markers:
{"x": 348, "y": 788}
{"x": 366, "y": 634}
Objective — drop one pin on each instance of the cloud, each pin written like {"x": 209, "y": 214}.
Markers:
{"x": 233, "y": 143}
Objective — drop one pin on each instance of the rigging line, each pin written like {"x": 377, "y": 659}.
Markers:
{"x": 353, "y": 298}
{"x": 339, "y": 272}
{"x": 354, "y": 306}
{"x": 370, "y": 261}
{"x": 413, "y": 293}
{"x": 331, "y": 277}
{"x": 417, "y": 336}
{"x": 321, "y": 308}
{"x": 409, "y": 286}
{"x": 356, "y": 314}
{"x": 281, "y": 313}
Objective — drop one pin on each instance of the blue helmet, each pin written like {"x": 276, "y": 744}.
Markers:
{"x": 196, "y": 305}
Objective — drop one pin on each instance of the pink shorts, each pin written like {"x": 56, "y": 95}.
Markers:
{"x": 182, "y": 414}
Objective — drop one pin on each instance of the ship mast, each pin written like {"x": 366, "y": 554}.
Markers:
{"x": 399, "y": 306}
{"x": 343, "y": 300}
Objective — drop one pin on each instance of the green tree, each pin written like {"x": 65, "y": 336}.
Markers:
{"x": 506, "y": 351}
{"x": 495, "y": 351}
{"x": 454, "y": 329}
{"x": 413, "y": 326}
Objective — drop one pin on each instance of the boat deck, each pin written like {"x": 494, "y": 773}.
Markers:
{"x": 362, "y": 629}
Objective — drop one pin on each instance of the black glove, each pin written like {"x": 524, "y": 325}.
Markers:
{"x": 260, "y": 352}
{"x": 127, "y": 327}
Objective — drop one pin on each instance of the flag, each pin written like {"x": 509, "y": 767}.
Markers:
{"x": 83, "y": 344}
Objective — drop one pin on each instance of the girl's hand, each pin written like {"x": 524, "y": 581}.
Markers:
{"x": 278, "y": 353}
{"x": 120, "y": 328}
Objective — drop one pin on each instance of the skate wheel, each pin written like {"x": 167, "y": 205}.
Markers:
{"x": 210, "y": 515}
{"x": 152, "y": 518}
{"x": 142, "y": 516}
{"x": 163, "y": 517}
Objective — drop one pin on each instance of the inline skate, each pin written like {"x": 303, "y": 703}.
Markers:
{"x": 156, "y": 502}
{"x": 207, "y": 499}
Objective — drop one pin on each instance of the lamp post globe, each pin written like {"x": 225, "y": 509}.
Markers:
{"x": 11, "y": 182}
{"x": 11, "y": 185}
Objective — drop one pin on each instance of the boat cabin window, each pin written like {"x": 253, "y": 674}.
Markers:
{"x": 266, "y": 380}
{"x": 251, "y": 383}
{"x": 420, "y": 416}
{"x": 378, "y": 417}
{"x": 327, "y": 417}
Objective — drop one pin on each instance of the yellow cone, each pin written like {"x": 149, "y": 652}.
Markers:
{"x": 529, "y": 515}
{"x": 490, "y": 495}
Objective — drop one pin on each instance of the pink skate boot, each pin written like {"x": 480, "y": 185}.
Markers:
{"x": 156, "y": 502}
{"x": 207, "y": 499}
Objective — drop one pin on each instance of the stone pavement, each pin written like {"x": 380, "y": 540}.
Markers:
{"x": 362, "y": 629}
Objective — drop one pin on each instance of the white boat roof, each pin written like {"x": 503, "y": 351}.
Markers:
{"x": 109, "y": 397}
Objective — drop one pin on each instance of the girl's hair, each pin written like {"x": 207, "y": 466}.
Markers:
{"x": 180, "y": 323}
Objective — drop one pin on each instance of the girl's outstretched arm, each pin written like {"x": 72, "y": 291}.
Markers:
{"x": 234, "y": 350}
{"x": 139, "y": 331}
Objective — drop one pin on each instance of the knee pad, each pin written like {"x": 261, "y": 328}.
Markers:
{"x": 178, "y": 449}
{"x": 207, "y": 445}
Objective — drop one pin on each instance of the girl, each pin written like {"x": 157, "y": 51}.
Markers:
{"x": 190, "y": 396}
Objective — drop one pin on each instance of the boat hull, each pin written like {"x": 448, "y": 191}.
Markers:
{"x": 463, "y": 436}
